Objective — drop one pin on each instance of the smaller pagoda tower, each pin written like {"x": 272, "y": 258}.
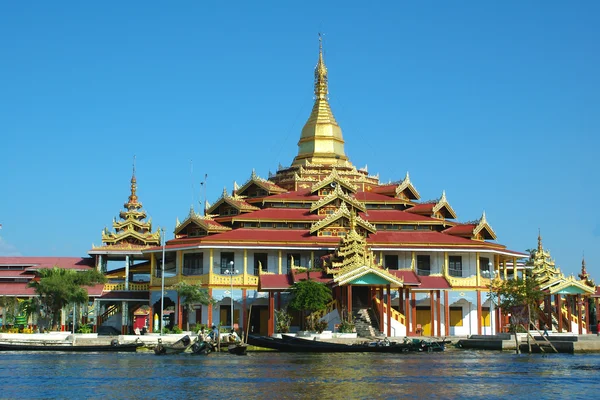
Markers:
{"x": 132, "y": 233}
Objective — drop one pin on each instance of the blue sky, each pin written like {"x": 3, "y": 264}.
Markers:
{"x": 494, "y": 102}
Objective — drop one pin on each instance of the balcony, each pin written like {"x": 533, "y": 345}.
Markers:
{"x": 110, "y": 287}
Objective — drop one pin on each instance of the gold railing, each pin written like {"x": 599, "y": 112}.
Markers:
{"x": 395, "y": 314}
{"x": 109, "y": 287}
{"x": 454, "y": 281}
{"x": 574, "y": 317}
{"x": 209, "y": 280}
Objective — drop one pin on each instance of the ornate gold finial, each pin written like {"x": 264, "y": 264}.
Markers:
{"x": 133, "y": 199}
{"x": 540, "y": 247}
{"x": 321, "y": 89}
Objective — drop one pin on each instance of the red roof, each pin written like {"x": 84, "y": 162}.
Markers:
{"x": 421, "y": 237}
{"x": 274, "y": 282}
{"x": 16, "y": 274}
{"x": 256, "y": 237}
{"x": 464, "y": 229}
{"x": 390, "y": 188}
{"x": 394, "y": 215}
{"x": 77, "y": 263}
{"x": 433, "y": 282}
{"x": 16, "y": 289}
{"x": 125, "y": 295}
{"x": 409, "y": 276}
{"x": 425, "y": 207}
{"x": 280, "y": 214}
{"x": 369, "y": 197}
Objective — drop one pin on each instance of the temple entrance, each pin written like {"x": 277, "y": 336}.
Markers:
{"x": 360, "y": 297}
{"x": 423, "y": 321}
{"x": 259, "y": 320}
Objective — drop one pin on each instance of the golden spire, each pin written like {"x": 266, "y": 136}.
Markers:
{"x": 321, "y": 141}
{"x": 540, "y": 247}
{"x": 321, "y": 89}
{"x": 132, "y": 202}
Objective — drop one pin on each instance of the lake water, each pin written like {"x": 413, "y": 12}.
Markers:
{"x": 270, "y": 375}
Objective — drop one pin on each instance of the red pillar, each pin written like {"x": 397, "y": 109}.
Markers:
{"x": 439, "y": 313}
{"x": 389, "y": 313}
{"x": 569, "y": 313}
{"x": 588, "y": 323}
{"x": 446, "y": 313}
{"x": 209, "y": 316}
{"x": 431, "y": 314}
{"x": 381, "y": 309}
{"x": 407, "y": 311}
{"x": 179, "y": 313}
{"x": 244, "y": 312}
{"x": 579, "y": 315}
{"x": 349, "y": 298}
{"x": 479, "y": 312}
{"x": 559, "y": 312}
{"x": 413, "y": 306}
{"x": 271, "y": 324}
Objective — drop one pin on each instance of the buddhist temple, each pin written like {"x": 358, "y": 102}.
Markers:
{"x": 410, "y": 263}
{"x": 406, "y": 266}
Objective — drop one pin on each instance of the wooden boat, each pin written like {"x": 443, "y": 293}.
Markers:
{"x": 114, "y": 346}
{"x": 298, "y": 345}
{"x": 203, "y": 347}
{"x": 179, "y": 346}
{"x": 237, "y": 348}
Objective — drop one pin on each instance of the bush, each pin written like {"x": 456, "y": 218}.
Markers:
{"x": 320, "y": 326}
{"x": 346, "y": 327}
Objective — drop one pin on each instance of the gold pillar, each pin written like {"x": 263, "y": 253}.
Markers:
{"x": 413, "y": 260}
{"x": 245, "y": 263}
{"x": 445, "y": 263}
{"x": 210, "y": 260}
{"x": 478, "y": 266}
{"x": 279, "y": 261}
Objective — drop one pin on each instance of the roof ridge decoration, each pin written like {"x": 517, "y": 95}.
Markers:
{"x": 338, "y": 193}
{"x": 406, "y": 184}
{"x": 357, "y": 260}
{"x": 321, "y": 139}
{"x": 483, "y": 224}
{"x": 342, "y": 211}
{"x": 443, "y": 202}
{"x": 204, "y": 221}
{"x": 265, "y": 184}
{"x": 131, "y": 230}
{"x": 233, "y": 200}
{"x": 334, "y": 176}
{"x": 584, "y": 276}
{"x": 548, "y": 276}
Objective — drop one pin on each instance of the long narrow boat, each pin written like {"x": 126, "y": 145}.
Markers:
{"x": 69, "y": 347}
{"x": 179, "y": 346}
{"x": 298, "y": 345}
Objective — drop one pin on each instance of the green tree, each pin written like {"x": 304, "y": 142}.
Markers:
{"x": 191, "y": 295}
{"x": 312, "y": 297}
{"x": 515, "y": 294}
{"x": 10, "y": 309}
{"x": 57, "y": 287}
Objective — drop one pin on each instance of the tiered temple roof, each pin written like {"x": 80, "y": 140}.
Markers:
{"x": 131, "y": 231}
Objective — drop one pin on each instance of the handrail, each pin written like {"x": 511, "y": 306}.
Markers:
{"x": 395, "y": 314}
{"x": 574, "y": 317}
{"x": 112, "y": 310}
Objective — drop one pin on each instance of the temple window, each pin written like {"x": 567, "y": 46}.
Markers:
{"x": 226, "y": 259}
{"x": 423, "y": 265}
{"x": 192, "y": 264}
{"x": 170, "y": 265}
{"x": 408, "y": 227}
{"x": 391, "y": 261}
{"x": 484, "y": 266}
{"x": 260, "y": 263}
{"x": 423, "y": 227}
{"x": 455, "y": 266}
